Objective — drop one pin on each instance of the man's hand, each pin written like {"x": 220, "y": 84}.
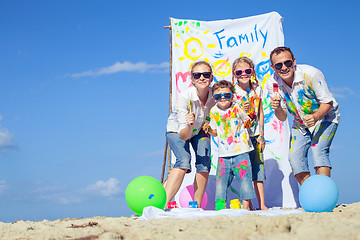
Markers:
{"x": 310, "y": 120}
{"x": 275, "y": 103}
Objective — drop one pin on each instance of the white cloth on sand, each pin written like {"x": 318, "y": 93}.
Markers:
{"x": 153, "y": 212}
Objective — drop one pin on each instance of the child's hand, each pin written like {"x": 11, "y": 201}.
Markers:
{"x": 261, "y": 141}
{"x": 246, "y": 105}
{"x": 190, "y": 118}
{"x": 206, "y": 127}
{"x": 248, "y": 123}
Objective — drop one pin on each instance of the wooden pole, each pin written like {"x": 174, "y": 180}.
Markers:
{"x": 167, "y": 151}
{"x": 164, "y": 162}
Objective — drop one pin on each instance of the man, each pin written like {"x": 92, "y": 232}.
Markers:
{"x": 302, "y": 88}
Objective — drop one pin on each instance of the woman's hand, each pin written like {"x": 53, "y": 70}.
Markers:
{"x": 190, "y": 118}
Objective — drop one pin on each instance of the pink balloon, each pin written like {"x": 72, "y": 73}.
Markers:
{"x": 187, "y": 195}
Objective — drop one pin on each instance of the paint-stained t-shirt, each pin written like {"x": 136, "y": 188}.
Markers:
{"x": 309, "y": 90}
{"x": 234, "y": 139}
{"x": 254, "y": 98}
{"x": 177, "y": 119}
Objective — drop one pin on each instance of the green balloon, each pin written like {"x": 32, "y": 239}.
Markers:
{"x": 143, "y": 192}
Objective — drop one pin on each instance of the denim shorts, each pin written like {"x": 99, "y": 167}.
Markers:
{"x": 257, "y": 162}
{"x": 238, "y": 166}
{"x": 319, "y": 141}
{"x": 181, "y": 150}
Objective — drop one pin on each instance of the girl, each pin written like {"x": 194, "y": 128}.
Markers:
{"x": 185, "y": 127}
{"x": 248, "y": 94}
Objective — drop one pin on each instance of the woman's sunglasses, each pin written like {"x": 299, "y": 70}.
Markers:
{"x": 248, "y": 71}
{"x": 287, "y": 63}
{"x": 227, "y": 96}
{"x": 198, "y": 75}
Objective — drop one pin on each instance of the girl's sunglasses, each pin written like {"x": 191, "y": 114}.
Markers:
{"x": 287, "y": 63}
{"x": 248, "y": 71}
{"x": 227, "y": 96}
{"x": 198, "y": 75}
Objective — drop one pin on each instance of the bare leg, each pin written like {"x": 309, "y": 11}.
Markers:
{"x": 246, "y": 204}
{"x": 259, "y": 190}
{"x": 173, "y": 183}
{"x": 323, "y": 171}
{"x": 302, "y": 176}
{"x": 200, "y": 183}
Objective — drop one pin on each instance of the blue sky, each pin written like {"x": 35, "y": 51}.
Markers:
{"x": 84, "y": 95}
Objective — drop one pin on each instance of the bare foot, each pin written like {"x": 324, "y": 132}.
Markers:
{"x": 264, "y": 208}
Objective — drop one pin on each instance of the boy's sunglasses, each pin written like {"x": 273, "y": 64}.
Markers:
{"x": 198, "y": 75}
{"x": 287, "y": 63}
{"x": 248, "y": 71}
{"x": 227, "y": 96}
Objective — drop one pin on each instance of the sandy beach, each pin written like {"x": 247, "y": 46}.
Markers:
{"x": 342, "y": 223}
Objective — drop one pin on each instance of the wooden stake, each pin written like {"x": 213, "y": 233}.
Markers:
{"x": 167, "y": 150}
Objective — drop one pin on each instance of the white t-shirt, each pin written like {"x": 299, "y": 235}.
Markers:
{"x": 309, "y": 89}
{"x": 177, "y": 119}
{"x": 254, "y": 97}
{"x": 234, "y": 139}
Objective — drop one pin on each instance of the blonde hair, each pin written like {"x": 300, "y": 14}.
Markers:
{"x": 244, "y": 60}
{"x": 201, "y": 63}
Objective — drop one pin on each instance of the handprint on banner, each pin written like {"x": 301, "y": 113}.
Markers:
{"x": 183, "y": 81}
{"x": 263, "y": 68}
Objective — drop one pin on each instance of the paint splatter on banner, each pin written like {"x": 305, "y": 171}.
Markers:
{"x": 220, "y": 43}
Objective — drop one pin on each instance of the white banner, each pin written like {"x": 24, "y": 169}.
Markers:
{"x": 220, "y": 43}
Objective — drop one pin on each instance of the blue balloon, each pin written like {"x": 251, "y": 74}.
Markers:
{"x": 318, "y": 193}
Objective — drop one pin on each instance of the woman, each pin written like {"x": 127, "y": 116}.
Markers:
{"x": 185, "y": 127}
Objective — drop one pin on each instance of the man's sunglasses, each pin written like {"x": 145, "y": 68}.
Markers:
{"x": 227, "y": 96}
{"x": 198, "y": 75}
{"x": 287, "y": 63}
{"x": 248, "y": 71}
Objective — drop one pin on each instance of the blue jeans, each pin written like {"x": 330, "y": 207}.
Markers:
{"x": 238, "y": 166}
{"x": 181, "y": 150}
{"x": 257, "y": 162}
{"x": 319, "y": 141}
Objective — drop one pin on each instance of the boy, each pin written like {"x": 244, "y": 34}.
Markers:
{"x": 229, "y": 122}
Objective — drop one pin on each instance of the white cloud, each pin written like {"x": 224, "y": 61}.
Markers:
{"x": 6, "y": 139}
{"x": 124, "y": 67}
{"x": 61, "y": 194}
{"x": 106, "y": 189}
{"x": 342, "y": 92}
